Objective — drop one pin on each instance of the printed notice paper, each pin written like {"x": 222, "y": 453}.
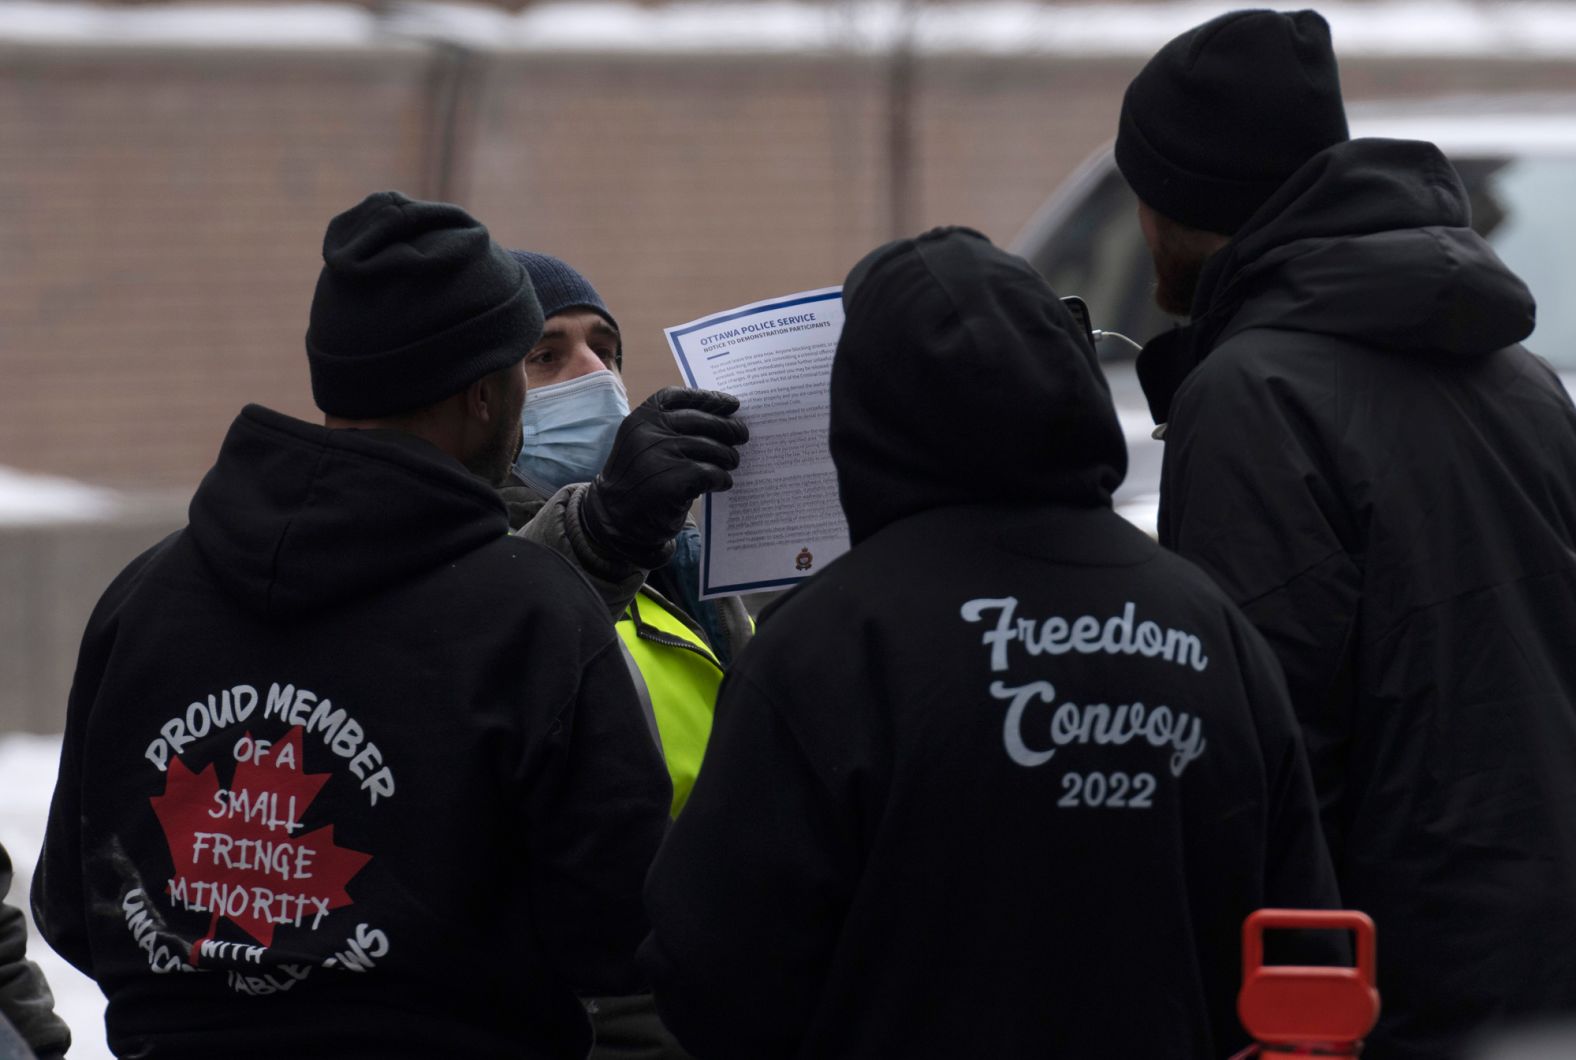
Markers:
{"x": 780, "y": 523}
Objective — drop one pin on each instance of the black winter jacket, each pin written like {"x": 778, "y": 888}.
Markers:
{"x": 349, "y": 772}
{"x": 1369, "y": 465}
{"x": 1003, "y": 780}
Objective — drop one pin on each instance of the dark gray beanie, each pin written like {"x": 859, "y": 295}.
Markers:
{"x": 415, "y": 302}
{"x": 560, "y": 287}
{"x": 1226, "y": 112}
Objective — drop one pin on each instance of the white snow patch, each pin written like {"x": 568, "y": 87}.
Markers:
{"x": 206, "y": 25}
{"x": 1018, "y": 27}
{"x": 27, "y": 779}
{"x": 27, "y": 499}
{"x": 1529, "y": 29}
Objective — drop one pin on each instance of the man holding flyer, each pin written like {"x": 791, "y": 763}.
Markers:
{"x": 611, "y": 491}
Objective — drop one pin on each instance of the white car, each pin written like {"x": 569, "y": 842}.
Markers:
{"x": 1516, "y": 156}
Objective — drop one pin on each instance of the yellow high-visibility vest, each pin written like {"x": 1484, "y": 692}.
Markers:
{"x": 682, "y": 676}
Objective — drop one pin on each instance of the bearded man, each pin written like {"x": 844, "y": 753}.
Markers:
{"x": 349, "y": 770}
{"x": 1365, "y": 458}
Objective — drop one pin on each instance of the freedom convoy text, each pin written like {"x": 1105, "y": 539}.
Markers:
{"x": 1099, "y": 724}
{"x": 240, "y": 852}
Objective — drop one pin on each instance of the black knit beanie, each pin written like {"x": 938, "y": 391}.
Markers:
{"x": 560, "y": 287}
{"x": 1225, "y": 113}
{"x": 415, "y": 302}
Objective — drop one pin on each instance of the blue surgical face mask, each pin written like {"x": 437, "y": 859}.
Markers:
{"x": 568, "y": 430}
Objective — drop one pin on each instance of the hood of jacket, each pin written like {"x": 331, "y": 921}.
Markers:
{"x": 295, "y": 518}
{"x": 1370, "y": 241}
{"x": 960, "y": 378}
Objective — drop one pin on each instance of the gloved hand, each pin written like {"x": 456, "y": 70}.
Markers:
{"x": 677, "y": 445}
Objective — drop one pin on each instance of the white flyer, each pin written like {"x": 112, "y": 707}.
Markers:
{"x": 781, "y": 522}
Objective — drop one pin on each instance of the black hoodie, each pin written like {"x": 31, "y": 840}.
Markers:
{"x": 1370, "y": 466}
{"x": 348, "y": 771}
{"x": 1003, "y": 780}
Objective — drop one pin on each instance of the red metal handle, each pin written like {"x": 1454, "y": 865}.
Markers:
{"x": 1297, "y": 1009}
{"x": 1360, "y": 924}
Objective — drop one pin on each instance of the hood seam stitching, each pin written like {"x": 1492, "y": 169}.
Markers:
{"x": 334, "y": 441}
{"x": 284, "y": 535}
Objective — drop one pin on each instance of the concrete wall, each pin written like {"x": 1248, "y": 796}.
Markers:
{"x": 161, "y": 214}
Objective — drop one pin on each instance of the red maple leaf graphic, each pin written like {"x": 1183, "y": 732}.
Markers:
{"x": 237, "y": 851}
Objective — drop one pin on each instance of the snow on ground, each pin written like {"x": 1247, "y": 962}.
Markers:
{"x": 27, "y": 777}
{"x": 28, "y": 498}
{"x": 203, "y": 25}
{"x": 1518, "y": 29}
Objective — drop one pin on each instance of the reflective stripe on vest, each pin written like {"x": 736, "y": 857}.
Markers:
{"x": 682, "y": 676}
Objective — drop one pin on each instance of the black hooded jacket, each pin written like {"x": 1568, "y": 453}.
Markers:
{"x": 1003, "y": 780}
{"x": 349, "y": 772}
{"x": 1385, "y": 482}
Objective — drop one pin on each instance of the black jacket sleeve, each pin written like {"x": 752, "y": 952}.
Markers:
{"x": 1252, "y": 494}
{"x": 1297, "y": 870}
{"x": 748, "y": 895}
{"x": 598, "y": 810}
{"x": 558, "y": 525}
{"x": 25, "y": 999}
{"x": 59, "y": 889}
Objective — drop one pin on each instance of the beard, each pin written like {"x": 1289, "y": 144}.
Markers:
{"x": 1177, "y": 270}
{"x": 492, "y": 462}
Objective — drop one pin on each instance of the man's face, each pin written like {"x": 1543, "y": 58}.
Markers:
{"x": 495, "y": 456}
{"x": 574, "y": 343}
{"x": 1179, "y": 260}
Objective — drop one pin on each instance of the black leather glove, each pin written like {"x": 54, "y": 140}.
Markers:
{"x": 677, "y": 445}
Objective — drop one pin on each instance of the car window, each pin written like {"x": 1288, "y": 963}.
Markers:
{"x": 1098, "y": 254}
{"x": 1523, "y": 206}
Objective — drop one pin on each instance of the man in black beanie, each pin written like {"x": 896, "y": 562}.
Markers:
{"x": 1368, "y": 462}
{"x": 350, "y": 771}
